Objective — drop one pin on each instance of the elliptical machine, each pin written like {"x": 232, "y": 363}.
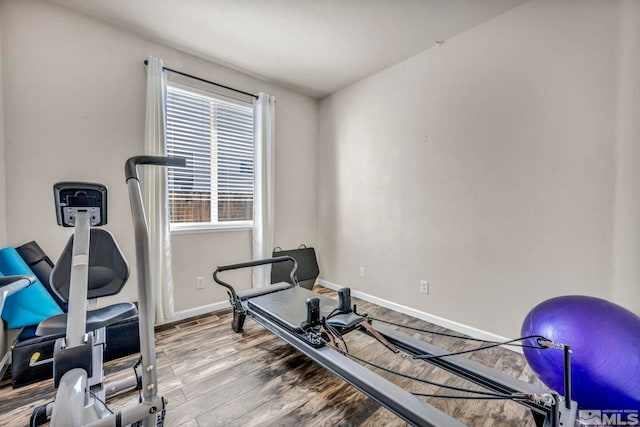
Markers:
{"x": 93, "y": 266}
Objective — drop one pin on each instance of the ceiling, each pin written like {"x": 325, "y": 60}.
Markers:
{"x": 313, "y": 46}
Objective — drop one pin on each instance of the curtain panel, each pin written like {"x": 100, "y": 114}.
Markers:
{"x": 264, "y": 172}
{"x": 155, "y": 192}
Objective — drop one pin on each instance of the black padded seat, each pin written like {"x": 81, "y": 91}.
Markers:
{"x": 345, "y": 320}
{"x": 96, "y": 319}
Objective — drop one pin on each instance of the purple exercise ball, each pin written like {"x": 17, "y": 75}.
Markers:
{"x": 605, "y": 344}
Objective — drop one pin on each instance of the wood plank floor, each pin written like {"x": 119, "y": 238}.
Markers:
{"x": 214, "y": 377}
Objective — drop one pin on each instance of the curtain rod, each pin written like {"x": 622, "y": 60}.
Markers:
{"x": 206, "y": 81}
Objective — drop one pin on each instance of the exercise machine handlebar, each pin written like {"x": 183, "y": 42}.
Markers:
{"x": 9, "y": 285}
{"x": 256, "y": 263}
{"x": 239, "y": 312}
{"x": 146, "y": 310}
{"x": 16, "y": 283}
{"x": 131, "y": 171}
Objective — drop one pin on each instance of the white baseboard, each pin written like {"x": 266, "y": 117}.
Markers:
{"x": 437, "y": 320}
{"x": 197, "y": 311}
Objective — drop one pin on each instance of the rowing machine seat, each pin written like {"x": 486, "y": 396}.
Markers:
{"x": 289, "y": 307}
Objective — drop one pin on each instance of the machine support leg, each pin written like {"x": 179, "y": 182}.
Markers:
{"x": 567, "y": 376}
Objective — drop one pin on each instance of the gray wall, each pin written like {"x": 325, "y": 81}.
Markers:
{"x": 3, "y": 210}
{"x": 74, "y": 93}
{"x": 626, "y": 247}
{"x": 502, "y": 166}
{"x": 489, "y": 166}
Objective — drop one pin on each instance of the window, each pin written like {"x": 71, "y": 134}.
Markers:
{"x": 215, "y": 135}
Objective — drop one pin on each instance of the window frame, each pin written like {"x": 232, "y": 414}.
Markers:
{"x": 219, "y": 226}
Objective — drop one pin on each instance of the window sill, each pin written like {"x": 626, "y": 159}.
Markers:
{"x": 210, "y": 228}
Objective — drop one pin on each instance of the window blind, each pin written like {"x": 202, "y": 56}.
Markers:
{"x": 215, "y": 135}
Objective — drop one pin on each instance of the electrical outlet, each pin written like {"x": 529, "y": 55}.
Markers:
{"x": 362, "y": 272}
{"x": 424, "y": 286}
{"x": 199, "y": 282}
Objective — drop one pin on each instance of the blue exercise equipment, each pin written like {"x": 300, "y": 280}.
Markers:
{"x": 31, "y": 305}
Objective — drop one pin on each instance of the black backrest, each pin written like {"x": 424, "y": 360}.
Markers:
{"x": 41, "y": 265}
{"x": 108, "y": 270}
{"x": 307, "y": 271}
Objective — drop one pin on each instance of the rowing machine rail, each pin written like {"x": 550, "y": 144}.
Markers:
{"x": 399, "y": 401}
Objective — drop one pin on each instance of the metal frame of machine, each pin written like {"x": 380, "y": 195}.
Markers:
{"x": 313, "y": 339}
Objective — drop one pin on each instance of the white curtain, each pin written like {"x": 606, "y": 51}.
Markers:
{"x": 264, "y": 154}
{"x": 155, "y": 192}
